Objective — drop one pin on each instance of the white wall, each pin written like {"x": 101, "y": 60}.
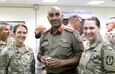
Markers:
{"x": 103, "y": 13}
{"x": 21, "y": 14}
{"x": 28, "y": 15}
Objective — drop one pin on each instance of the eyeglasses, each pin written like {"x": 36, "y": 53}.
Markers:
{"x": 107, "y": 24}
{"x": 79, "y": 19}
{"x": 53, "y": 14}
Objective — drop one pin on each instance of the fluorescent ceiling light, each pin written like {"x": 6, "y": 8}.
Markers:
{"x": 2, "y": 0}
{"x": 50, "y": 1}
{"x": 95, "y": 2}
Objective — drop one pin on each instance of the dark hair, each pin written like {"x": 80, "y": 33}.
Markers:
{"x": 112, "y": 18}
{"x": 20, "y": 24}
{"x": 97, "y": 22}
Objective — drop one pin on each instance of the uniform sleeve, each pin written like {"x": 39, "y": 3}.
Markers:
{"x": 4, "y": 61}
{"x": 77, "y": 44}
{"x": 108, "y": 58}
{"x": 33, "y": 65}
{"x": 41, "y": 51}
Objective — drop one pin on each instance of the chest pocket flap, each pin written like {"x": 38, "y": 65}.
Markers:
{"x": 45, "y": 43}
{"x": 64, "y": 43}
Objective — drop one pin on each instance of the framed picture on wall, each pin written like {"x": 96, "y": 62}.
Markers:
{"x": 12, "y": 24}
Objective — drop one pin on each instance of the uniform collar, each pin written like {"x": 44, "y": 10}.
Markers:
{"x": 23, "y": 48}
{"x": 3, "y": 42}
{"x": 60, "y": 30}
{"x": 98, "y": 40}
{"x": 8, "y": 41}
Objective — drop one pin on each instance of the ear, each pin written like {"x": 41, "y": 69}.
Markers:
{"x": 47, "y": 17}
{"x": 99, "y": 27}
{"x": 62, "y": 15}
{"x": 114, "y": 26}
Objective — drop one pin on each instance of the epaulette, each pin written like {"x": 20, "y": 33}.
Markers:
{"x": 68, "y": 29}
{"x": 75, "y": 33}
{"x": 45, "y": 31}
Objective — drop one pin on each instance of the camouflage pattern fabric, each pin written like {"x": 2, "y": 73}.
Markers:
{"x": 111, "y": 38}
{"x": 17, "y": 60}
{"x": 3, "y": 44}
{"x": 91, "y": 61}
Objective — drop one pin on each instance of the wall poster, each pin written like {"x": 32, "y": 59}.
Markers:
{"x": 12, "y": 24}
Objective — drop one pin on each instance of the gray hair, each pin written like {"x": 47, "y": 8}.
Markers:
{"x": 3, "y": 24}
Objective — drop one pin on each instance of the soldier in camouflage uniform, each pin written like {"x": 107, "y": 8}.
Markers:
{"x": 110, "y": 35}
{"x": 60, "y": 47}
{"x": 5, "y": 39}
{"x": 74, "y": 22}
{"x": 100, "y": 56}
{"x": 17, "y": 58}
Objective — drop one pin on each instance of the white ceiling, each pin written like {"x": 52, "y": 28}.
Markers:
{"x": 107, "y": 3}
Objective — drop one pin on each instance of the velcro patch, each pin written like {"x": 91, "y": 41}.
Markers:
{"x": 109, "y": 60}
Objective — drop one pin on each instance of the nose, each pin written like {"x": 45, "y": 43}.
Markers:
{"x": 22, "y": 34}
{"x": 55, "y": 17}
{"x": 88, "y": 30}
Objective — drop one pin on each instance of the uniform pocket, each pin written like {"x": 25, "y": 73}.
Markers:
{"x": 45, "y": 43}
{"x": 64, "y": 50}
{"x": 64, "y": 44}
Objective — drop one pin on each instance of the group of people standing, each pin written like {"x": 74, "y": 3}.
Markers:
{"x": 15, "y": 56}
{"x": 60, "y": 49}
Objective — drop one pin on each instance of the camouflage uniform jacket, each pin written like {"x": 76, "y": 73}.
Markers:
{"x": 5, "y": 43}
{"x": 17, "y": 60}
{"x": 110, "y": 36}
{"x": 91, "y": 61}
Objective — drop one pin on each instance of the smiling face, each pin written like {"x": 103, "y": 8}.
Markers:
{"x": 5, "y": 31}
{"x": 91, "y": 30}
{"x": 55, "y": 17}
{"x": 20, "y": 34}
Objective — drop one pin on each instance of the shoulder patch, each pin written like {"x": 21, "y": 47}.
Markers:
{"x": 79, "y": 39}
{"x": 109, "y": 60}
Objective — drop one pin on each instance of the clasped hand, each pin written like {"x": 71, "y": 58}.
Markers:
{"x": 52, "y": 62}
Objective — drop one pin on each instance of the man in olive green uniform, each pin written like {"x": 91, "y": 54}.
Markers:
{"x": 5, "y": 39}
{"x": 60, "y": 47}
